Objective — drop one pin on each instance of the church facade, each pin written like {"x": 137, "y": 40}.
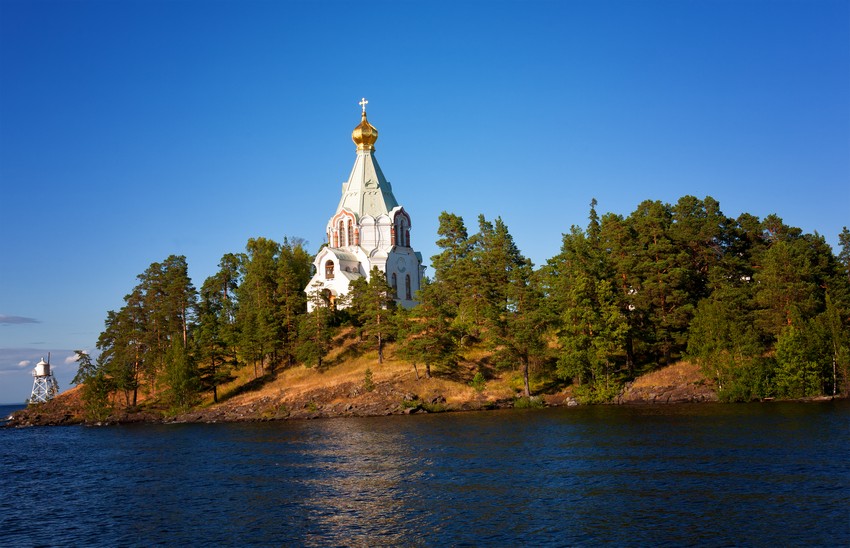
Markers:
{"x": 369, "y": 229}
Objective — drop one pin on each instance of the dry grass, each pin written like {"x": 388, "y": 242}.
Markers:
{"x": 347, "y": 362}
{"x": 677, "y": 374}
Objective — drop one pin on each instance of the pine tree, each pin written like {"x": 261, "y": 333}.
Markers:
{"x": 293, "y": 274}
{"x": 455, "y": 275}
{"x": 215, "y": 336}
{"x": 525, "y": 322}
{"x": 844, "y": 254}
{"x": 724, "y": 343}
{"x": 374, "y": 305}
{"x": 315, "y": 328}
{"x": 428, "y": 334}
{"x": 591, "y": 324}
{"x": 180, "y": 378}
{"x": 259, "y": 328}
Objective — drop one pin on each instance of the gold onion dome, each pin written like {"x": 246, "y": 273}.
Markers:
{"x": 365, "y": 134}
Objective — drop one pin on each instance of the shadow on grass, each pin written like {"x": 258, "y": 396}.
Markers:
{"x": 250, "y": 386}
{"x": 352, "y": 352}
{"x": 550, "y": 385}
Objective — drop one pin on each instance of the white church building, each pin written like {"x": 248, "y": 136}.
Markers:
{"x": 369, "y": 229}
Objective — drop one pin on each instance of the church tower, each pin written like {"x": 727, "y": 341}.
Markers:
{"x": 369, "y": 229}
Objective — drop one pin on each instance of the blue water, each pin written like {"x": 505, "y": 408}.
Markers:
{"x": 8, "y": 409}
{"x": 714, "y": 475}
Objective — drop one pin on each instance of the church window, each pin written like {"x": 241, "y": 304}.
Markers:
{"x": 350, "y": 233}
{"x": 329, "y": 270}
{"x": 395, "y": 284}
{"x": 407, "y": 287}
{"x": 341, "y": 234}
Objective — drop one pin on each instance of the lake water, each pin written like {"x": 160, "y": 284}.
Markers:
{"x": 715, "y": 475}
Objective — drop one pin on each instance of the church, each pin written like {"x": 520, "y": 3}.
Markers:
{"x": 369, "y": 229}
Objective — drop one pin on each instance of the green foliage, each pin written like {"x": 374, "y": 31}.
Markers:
{"x": 761, "y": 306}
{"x": 181, "y": 379}
{"x": 727, "y": 348}
{"x": 478, "y": 382}
{"x": 216, "y": 336}
{"x": 271, "y": 301}
{"x": 86, "y": 369}
{"x": 95, "y": 397}
{"x": 136, "y": 340}
{"x": 96, "y": 389}
{"x": 837, "y": 335}
{"x": 592, "y": 324}
{"x": 434, "y": 407}
{"x": 368, "y": 383}
{"x": 427, "y": 334}
{"x": 844, "y": 254}
{"x": 597, "y": 392}
{"x": 410, "y": 404}
{"x": 373, "y": 305}
{"x": 528, "y": 402}
{"x": 314, "y": 331}
{"x": 755, "y": 380}
{"x": 801, "y": 360}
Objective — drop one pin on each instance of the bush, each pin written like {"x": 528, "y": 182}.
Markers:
{"x": 533, "y": 402}
{"x": 478, "y": 382}
{"x": 596, "y": 393}
{"x": 436, "y": 407}
{"x": 410, "y": 404}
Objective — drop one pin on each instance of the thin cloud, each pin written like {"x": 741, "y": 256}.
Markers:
{"x": 4, "y": 319}
{"x": 74, "y": 357}
{"x": 16, "y": 360}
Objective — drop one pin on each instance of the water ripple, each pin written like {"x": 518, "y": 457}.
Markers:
{"x": 680, "y": 475}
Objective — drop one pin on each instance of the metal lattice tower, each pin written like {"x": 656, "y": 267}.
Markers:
{"x": 44, "y": 385}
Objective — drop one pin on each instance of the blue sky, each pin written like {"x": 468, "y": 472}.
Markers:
{"x": 130, "y": 131}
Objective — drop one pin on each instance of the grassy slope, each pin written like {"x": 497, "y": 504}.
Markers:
{"x": 339, "y": 389}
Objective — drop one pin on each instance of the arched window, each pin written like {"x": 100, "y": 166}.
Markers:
{"x": 407, "y": 287}
{"x": 329, "y": 270}
{"x": 395, "y": 284}
{"x": 350, "y": 233}
{"x": 341, "y": 234}
{"x": 398, "y": 229}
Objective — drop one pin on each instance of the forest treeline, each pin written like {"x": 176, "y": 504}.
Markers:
{"x": 762, "y": 307}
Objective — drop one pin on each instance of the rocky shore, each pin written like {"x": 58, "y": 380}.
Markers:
{"x": 396, "y": 395}
{"x": 679, "y": 383}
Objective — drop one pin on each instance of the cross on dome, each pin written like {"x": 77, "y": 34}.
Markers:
{"x": 363, "y": 102}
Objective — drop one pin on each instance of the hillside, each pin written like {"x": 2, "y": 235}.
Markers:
{"x": 340, "y": 389}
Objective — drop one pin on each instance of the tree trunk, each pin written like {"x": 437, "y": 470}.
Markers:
{"x": 214, "y": 381}
{"x": 525, "y": 377}
{"x": 630, "y": 355}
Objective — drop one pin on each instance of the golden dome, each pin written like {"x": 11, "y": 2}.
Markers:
{"x": 365, "y": 134}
